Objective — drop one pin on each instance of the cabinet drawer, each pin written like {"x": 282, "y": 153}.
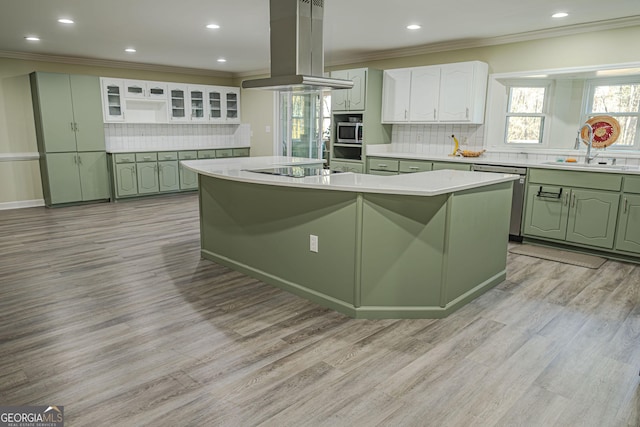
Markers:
{"x": 631, "y": 184}
{"x": 240, "y": 152}
{"x": 146, "y": 157}
{"x": 592, "y": 180}
{"x": 224, "y": 153}
{"x": 168, "y": 155}
{"x": 383, "y": 165}
{"x": 453, "y": 166}
{"x": 188, "y": 155}
{"x": 125, "y": 158}
{"x": 410, "y": 166}
{"x": 207, "y": 154}
{"x": 347, "y": 167}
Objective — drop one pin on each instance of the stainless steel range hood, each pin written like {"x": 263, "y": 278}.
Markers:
{"x": 297, "y": 56}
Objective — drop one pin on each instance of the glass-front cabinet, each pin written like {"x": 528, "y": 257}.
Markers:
{"x": 112, "y": 108}
{"x": 233, "y": 106}
{"x": 197, "y": 97}
{"x": 214, "y": 97}
{"x": 178, "y": 103}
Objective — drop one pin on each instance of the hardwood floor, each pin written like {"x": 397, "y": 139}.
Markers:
{"x": 108, "y": 310}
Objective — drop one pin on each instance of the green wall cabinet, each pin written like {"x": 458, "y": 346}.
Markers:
{"x": 70, "y": 136}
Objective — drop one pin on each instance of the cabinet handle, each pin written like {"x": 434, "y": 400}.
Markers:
{"x": 72, "y": 130}
{"x": 573, "y": 200}
{"x": 434, "y": 114}
{"x": 79, "y": 160}
{"x": 625, "y": 205}
{"x": 414, "y": 168}
{"x": 147, "y": 157}
{"x": 382, "y": 166}
{"x": 467, "y": 113}
{"x": 75, "y": 127}
{"x": 75, "y": 159}
{"x": 566, "y": 199}
{"x": 405, "y": 114}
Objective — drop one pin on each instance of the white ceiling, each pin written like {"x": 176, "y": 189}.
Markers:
{"x": 173, "y": 33}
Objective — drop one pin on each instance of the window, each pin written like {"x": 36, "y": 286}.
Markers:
{"x": 621, "y": 100}
{"x": 526, "y": 109}
{"x": 304, "y": 120}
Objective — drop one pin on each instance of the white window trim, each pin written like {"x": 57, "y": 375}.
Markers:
{"x": 546, "y": 113}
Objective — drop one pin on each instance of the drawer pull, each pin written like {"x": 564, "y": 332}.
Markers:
{"x": 382, "y": 166}
{"x": 549, "y": 194}
{"x": 414, "y": 168}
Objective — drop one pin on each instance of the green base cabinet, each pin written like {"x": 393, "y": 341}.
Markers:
{"x": 147, "y": 173}
{"x": 587, "y": 217}
{"x": 126, "y": 180}
{"x": 628, "y": 236}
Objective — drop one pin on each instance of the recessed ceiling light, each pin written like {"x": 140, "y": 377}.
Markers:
{"x": 560, "y": 15}
{"x": 222, "y": 60}
{"x": 413, "y": 27}
{"x": 213, "y": 26}
{"x": 130, "y": 50}
{"x": 65, "y": 21}
{"x": 32, "y": 38}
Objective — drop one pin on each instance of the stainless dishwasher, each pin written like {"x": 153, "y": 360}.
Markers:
{"x": 517, "y": 202}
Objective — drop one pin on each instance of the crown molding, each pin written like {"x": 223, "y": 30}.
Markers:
{"x": 95, "y": 62}
{"x": 568, "y": 30}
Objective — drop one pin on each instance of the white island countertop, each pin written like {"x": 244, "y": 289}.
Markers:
{"x": 431, "y": 183}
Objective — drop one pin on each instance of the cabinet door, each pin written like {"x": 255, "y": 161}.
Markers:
{"x": 214, "y": 104}
{"x": 178, "y": 97}
{"x": 87, "y": 113}
{"x": 339, "y": 97}
{"x": 425, "y": 93}
{"x": 56, "y": 112}
{"x": 396, "y": 92}
{"x": 63, "y": 178}
{"x": 112, "y": 104}
{"x": 197, "y": 103}
{"x": 628, "y": 238}
{"x": 546, "y": 211}
{"x": 451, "y": 166}
{"x": 357, "y": 94}
{"x": 135, "y": 88}
{"x": 232, "y": 105}
{"x": 147, "y": 173}
{"x": 456, "y": 89}
{"x": 592, "y": 217}
{"x": 94, "y": 178}
{"x": 126, "y": 181}
{"x": 168, "y": 176}
{"x": 188, "y": 179}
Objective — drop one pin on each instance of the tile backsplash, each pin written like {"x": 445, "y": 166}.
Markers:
{"x": 119, "y": 136}
{"x": 436, "y": 139}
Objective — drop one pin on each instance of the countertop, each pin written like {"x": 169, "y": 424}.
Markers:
{"x": 417, "y": 184}
{"x": 172, "y": 149}
{"x": 483, "y": 160}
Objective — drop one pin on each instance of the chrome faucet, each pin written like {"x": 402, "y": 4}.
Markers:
{"x": 588, "y": 158}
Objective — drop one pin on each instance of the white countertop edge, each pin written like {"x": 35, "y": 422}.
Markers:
{"x": 432, "y": 183}
{"x": 14, "y": 157}
{"x": 485, "y": 161}
{"x": 162, "y": 150}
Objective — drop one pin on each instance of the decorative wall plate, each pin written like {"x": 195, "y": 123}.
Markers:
{"x": 606, "y": 131}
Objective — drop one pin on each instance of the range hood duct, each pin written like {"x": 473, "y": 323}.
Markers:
{"x": 297, "y": 56}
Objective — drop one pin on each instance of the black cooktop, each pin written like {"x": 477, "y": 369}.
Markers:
{"x": 294, "y": 171}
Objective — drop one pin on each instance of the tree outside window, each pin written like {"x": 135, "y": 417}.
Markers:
{"x": 620, "y": 100}
{"x": 525, "y": 115}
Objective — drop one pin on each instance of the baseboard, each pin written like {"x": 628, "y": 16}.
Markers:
{"x": 21, "y": 204}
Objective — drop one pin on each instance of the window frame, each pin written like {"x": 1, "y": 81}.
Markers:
{"x": 587, "y": 103}
{"x": 545, "y": 114}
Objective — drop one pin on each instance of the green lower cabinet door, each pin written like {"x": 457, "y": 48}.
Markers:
{"x": 188, "y": 179}
{"x": 63, "y": 178}
{"x": 126, "y": 181}
{"x": 546, "y": 212}
{"x": 94, "y": 178}
{"x": 168, "y": 176}
{"x": 147, "y": 177}
{"x": 628, "y": 238}
{"x": 593, "y": 217}
{"x": 453, "y": 166}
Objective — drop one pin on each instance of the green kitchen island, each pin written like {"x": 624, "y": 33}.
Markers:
{"x": 406, "y": 246}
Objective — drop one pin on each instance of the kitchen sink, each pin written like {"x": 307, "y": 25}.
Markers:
{"x": 593, "y": 166}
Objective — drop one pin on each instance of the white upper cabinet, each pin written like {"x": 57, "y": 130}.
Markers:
{"x": 141, "y": 101}
{"x": 353, "y": 99}
{"x": 449, "y": 93}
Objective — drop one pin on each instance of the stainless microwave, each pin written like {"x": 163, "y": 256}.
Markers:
{"x": 349, "y": 133}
